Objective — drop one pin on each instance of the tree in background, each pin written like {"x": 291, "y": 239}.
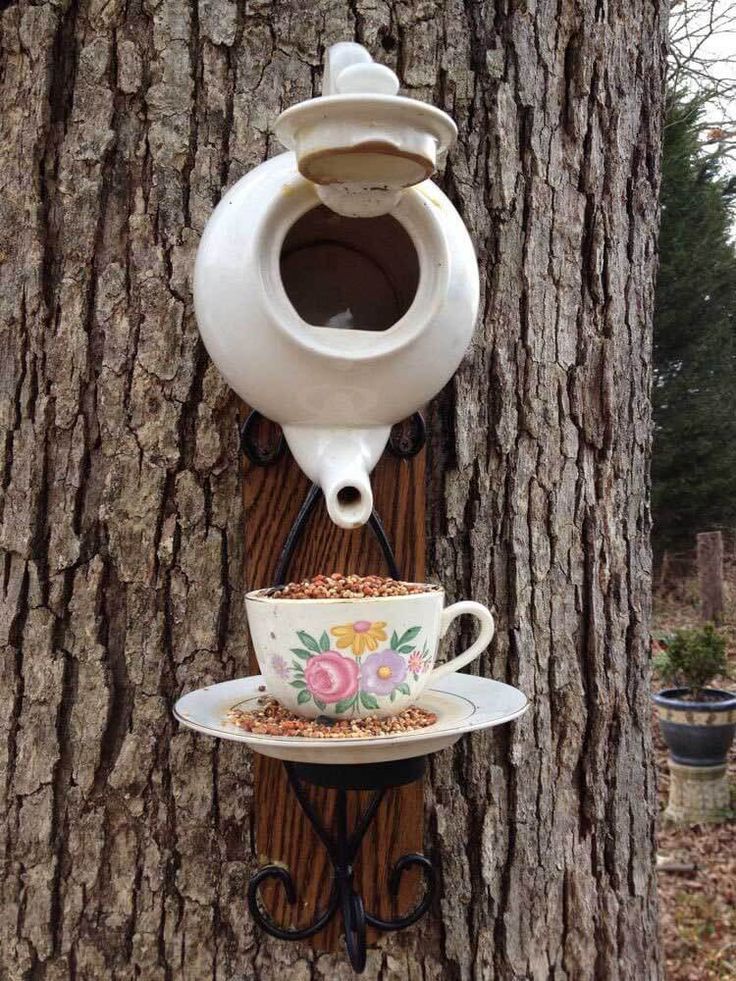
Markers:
{"x": 694, "y": 338}
{"x": 702, "y": 62}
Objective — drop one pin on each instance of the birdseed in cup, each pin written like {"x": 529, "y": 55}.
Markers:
{"x": 339, "y": 586}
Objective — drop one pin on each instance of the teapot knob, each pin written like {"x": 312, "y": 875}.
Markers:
{"x": 368, "y": 79}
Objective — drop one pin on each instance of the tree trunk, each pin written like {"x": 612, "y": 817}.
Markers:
{"x": 710, "y": 575}
{"x": 127, "y": 840}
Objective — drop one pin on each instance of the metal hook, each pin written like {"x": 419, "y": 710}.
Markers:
{"x": 408, "y": 437}
{"x": 295, "y": 535}
{"x": 297, "y": 530}
{"x": 253, "y": 450}
{"x": 430, "y": 882}
{"x": 265, "y": 922}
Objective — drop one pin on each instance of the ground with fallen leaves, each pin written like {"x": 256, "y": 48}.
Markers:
{"x": 697, "y": 905}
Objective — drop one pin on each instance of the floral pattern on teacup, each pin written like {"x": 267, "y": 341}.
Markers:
{"x": 346, "y": 683}
{"x": 360, "y": 636}
{"x": 419, "y": 662}
{"x": 280, "y": 666}
{"x": 330, "y": 677}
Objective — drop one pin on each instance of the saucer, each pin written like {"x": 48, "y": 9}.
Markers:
{"x": 462, "y": 703}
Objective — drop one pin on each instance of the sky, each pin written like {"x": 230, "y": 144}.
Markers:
{"x": 706, "y": 30}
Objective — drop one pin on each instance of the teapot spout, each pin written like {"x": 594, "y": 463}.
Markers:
{"x": 340, "y": 461}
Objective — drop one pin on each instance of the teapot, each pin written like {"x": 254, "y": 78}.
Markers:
{"x": 335, "y": 286}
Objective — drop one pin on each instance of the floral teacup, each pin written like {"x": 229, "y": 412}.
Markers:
{"x": 349, "y": 658}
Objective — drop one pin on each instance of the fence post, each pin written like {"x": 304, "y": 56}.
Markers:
{"x": 710, "y": 575}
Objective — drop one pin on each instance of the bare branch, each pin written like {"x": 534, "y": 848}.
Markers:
{"x": 702, "y": 64}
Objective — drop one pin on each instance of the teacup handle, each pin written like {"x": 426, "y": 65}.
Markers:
{"x": 482, "y": 641}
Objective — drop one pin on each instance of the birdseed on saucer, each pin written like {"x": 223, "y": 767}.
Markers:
{"x": 338, "y": 586}
{"x": 272, "y": 719}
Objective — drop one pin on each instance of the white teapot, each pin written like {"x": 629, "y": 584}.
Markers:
{"x": 336, "y": 287}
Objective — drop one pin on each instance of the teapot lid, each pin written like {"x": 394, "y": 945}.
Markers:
{"x": 359, "y": 142}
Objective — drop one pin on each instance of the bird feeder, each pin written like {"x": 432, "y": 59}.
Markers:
{"x": 336, "y": 289}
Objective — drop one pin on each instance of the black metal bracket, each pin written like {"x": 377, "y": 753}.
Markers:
{"x": 407, "y": 439}
{"x": 297, "y": 530}
{"x": 250, "y": 446}
{"x": 342, "y": 845}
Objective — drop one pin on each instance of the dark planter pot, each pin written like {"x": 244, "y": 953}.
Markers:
{"x": 697, "y": 733}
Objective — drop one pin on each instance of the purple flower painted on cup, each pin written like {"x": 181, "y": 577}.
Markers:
{"x": 381, "y": 672}
{"x": 280, "y": 666}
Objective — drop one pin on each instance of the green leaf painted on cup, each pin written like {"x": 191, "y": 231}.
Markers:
{"x": 298, "y": 684}
{"x": 408, "y": 635}
{"x": 304, "y": 655}
{"x": 369, "y": 701}
{"x": 308, "y": 641}
{"x": 343, "y": 705}
{"x": 324, "y": 641}
{"x": 303, "y": 696}
{"x": 403, "y": 688}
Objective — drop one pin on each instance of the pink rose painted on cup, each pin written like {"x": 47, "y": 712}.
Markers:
{"x": 331, "y": 677}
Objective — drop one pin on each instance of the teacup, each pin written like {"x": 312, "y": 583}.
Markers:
{"x": 350, "y": 658}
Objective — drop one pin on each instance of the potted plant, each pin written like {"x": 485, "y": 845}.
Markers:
{"x": 697, "y": 722}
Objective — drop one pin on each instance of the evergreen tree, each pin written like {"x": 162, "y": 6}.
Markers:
{"x": 694, "y": 462}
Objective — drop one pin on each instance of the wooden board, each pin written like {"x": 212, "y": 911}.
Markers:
{"x": 273, "y": 496}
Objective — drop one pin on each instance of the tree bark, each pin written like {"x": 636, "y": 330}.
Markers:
{"x": 710, "y": 575}
{"x": 126, "y": 840}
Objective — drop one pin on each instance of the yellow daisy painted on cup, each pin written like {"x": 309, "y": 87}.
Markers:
{"x": 360, "y": 636}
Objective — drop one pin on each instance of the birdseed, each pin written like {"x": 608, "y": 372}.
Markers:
{"x": 338, "y": 586}
{"x": 272, "y": 719}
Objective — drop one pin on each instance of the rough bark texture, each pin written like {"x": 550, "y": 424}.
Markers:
{"x": 126, "y": 842}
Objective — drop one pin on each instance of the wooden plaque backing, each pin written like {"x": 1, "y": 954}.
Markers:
{"x": 273, "y": 496}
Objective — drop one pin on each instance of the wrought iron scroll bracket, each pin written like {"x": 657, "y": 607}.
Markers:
{"x": 342, "y": 845}
{"x": 407, "y": 439}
